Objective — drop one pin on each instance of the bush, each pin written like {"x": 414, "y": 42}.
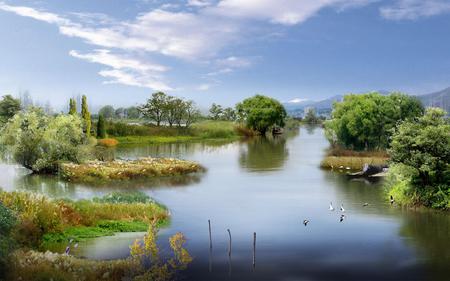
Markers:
{"x": 7, "y": 222}
{"x": 40, "y": 142}
{"x": 108, "y": 142}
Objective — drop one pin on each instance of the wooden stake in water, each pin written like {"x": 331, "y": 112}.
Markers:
{"x": 229, "y": 245}
{"x": 254, "y": 250}
{"x": 210, "y": 238}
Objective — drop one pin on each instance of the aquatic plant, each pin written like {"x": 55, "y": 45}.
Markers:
{"x": 351, "y": 162}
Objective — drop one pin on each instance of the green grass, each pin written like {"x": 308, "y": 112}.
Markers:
{"x": 81, "y": 233}
{"x": 201, "y": 131}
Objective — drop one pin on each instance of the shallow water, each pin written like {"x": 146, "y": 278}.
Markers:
{"x": 270, "y": 187}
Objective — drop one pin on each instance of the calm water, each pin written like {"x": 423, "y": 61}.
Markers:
{"x": 270, "y": 187}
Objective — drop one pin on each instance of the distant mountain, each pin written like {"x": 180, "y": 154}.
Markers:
{"x": 438, "y": 99}
{"x": 296, "y": 107}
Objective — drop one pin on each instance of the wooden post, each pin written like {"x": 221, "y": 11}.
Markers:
{"x": 254, "y": 249}
{"x": 229, "y": 245}
{"x": 210, "y": 238}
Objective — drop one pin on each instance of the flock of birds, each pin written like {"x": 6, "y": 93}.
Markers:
{"x": 341, "y": 219}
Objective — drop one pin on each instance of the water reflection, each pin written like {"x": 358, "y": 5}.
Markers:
{"x": 264, "y": 154}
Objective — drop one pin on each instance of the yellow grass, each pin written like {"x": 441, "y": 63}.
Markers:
{"x": 119, "y": 170}
{"x": 351, "y": 162}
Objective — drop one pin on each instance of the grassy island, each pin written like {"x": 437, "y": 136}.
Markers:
{"x": 120, "y": 170}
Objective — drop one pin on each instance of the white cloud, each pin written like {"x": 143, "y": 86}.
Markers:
{"x": 126, "y": 78}
{"x": 203, "y": 87}
{"x": 198, "y": 3}
{"x": 297, "y": 100}
{"x": 234, "y": 62}
{"x": 33, "y": 13}
{"x": 414, "y": 9}
{"x": 125, "y": 70}
{"x": 286, "y": 12}
{"x": 105, "y": 57}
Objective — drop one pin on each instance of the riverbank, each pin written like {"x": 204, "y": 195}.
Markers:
{"x": 134, "y": 134}
{"x": 42, "y": 223}
{"x": 122, "y": 170}
{"x": 343, "y": 159}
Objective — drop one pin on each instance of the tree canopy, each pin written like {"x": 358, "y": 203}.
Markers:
{"x": 366, "y": 121}
{"x": 86, "y": 115}
{"x": 40, "y": 142}
{"x": 9, "y": 106}
{"x": 107, "y": 111}
{"x": 261, "y": 112}
{"x": 420, "y": 152}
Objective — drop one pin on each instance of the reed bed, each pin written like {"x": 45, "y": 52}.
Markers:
{"x": 42, "y": 221}
{"x": 351, "y": 162}
{"x": 120, "y": 170}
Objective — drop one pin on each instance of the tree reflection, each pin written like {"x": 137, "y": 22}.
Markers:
{"x": 429, "y": 232}
{"x": 264, "y": 154}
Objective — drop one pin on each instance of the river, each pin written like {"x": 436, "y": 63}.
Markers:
{"x": 270, "y": 187}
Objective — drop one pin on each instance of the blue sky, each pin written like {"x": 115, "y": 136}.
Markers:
{"x": 119, "y": 52}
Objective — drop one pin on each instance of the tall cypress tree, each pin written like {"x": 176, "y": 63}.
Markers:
{"x": 72, "y": 107}
{"x": 86, "y": 115}
{"x": 101, "y": 130}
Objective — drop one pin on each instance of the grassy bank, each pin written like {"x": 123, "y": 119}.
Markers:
{"x": 43, "y": 221}
{"x": 128, "y": 134}
{"x": 338, "y": 158}
{"x": 119, "y": 170}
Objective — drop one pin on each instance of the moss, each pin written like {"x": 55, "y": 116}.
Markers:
{"x": 99, "y": 171}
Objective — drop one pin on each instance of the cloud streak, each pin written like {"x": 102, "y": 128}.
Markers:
{"x": 414, "y": 9}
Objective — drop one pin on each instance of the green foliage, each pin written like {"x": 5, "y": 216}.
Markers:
{"x": 9, "y": 106}
{"x": 124, "y": 197}
{"x": 7, "y": 222}
{"x": 86, "y": 115}
{"x": 101, "y": 127}
{"x": 72, "y": 107}
{"x": 215, "y": 112}
{"x": 40, "y": 142}
{"x": 261, "y": 112}
{"x": 366, "y": 121}
{"x": 132, "y": 112}
{"x": 422, "y": 147}
{"x": 161, "y": 107}
{"x": 107, "y": 112}
{"x": 311, "y": 117}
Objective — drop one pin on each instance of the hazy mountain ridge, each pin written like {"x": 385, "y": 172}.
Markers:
{"x": 437, "y": 99}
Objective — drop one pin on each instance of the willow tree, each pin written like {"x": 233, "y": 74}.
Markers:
{"x": 86, "y": 115}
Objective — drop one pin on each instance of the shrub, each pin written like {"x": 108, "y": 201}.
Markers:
{"x": 124, "y": 197}
{"x": 108, "y": 142}
{"x": 40, "y": 142}
{"x": 7, "y": 222}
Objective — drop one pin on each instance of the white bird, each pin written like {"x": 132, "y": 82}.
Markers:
{"x": 342, "y": 208}
{"x": 305, "y": 222}
{"x": 365, "y": 204}
{"x": 342, "y": 218}
{"x": 392, "y": 200}
{"x": 331, "y": 206}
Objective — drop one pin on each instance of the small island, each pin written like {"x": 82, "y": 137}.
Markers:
{"x": 120, "y": 170}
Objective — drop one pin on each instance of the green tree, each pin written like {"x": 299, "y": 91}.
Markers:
{"x": 155, "y": 108}
{"x": 120, "y": 113}
{"x": 40, "y": 142}
{"x": 261, "y": 112}
{"x": 72, "y": 107}
{"x": 107, "y": 111}
{"x": 215, "y": 112}
{"x": 101, "y": 128}
{"x": 191, "y": 113}
{"x": 311, "y": 116}
{"x": 7, "y": 222}
{"x": 132, "y": 112}
{"x": 366, "y": 121}
{"x": 86, "y": 115}
{"x": 9, "y": 106}
{"x": 229, "y": 114}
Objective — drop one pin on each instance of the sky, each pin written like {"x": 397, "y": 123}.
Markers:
{"x": 119, "y": 52}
